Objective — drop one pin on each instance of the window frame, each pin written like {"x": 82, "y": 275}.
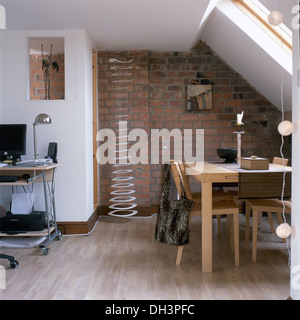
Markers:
{"x": 261, "y": 19}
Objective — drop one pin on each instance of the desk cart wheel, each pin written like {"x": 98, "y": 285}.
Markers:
{"x": 45, "y": 251}
{"x": 14, "y": 264}
{"x": 58, "y": 236}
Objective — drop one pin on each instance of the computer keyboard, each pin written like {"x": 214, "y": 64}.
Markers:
{"x": 9, "y": 178}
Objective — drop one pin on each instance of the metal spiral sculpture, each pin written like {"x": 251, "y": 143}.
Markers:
{"x": 123, "y": 199}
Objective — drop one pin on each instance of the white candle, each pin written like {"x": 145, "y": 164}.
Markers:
{"x": 239, "y": 118}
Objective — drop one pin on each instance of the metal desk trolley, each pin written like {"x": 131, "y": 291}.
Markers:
{"x": 37, "y": 173}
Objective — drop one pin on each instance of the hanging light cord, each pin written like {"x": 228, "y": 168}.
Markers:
{"x": 282, "y": 155}
{"x": 281, "y": 152}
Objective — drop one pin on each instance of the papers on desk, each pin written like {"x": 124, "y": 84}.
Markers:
{"x": 41, "y": 160}
{"x": 28, "y": 163}
{"x": 21, "y": 242}
{"x": 34, "y": 163}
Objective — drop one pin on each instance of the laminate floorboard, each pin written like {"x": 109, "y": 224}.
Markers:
{"x": 120, "y": 260}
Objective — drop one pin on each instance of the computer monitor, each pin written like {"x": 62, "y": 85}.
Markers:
{"x": 12, "y": 141}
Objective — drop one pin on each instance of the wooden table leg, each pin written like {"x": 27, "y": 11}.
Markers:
{"x": 236, "y": 239}
{"x": 247, "y": 225}
{"x": 254, "y": 234}
{"x": 206, "y": 227}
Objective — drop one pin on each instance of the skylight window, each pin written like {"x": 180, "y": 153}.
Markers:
{"x": 259, "y": 13}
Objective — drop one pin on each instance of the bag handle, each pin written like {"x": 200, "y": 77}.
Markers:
{"x": 166, "y": 186}
{"x": 183, "y": 193}
{"x": 164, "y": 200}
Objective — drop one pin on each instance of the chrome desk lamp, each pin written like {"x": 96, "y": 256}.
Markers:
{"x": 40, "y": 119}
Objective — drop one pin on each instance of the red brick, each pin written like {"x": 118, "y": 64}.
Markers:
{"x": 234, "y": 103}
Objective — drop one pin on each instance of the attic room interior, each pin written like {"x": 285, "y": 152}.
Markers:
{"x": 159, "y": 155}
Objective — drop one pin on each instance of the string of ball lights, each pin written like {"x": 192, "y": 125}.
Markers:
{"x": 285, "y": 128}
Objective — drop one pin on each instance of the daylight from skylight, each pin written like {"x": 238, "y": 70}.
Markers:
{"x": 259, "y": 9}
{"x": 251, "y": 16}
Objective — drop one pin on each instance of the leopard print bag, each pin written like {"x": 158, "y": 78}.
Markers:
{"x": 172, "y": 226}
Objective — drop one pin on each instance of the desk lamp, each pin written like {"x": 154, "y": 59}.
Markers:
{"x": 40, "y": 119}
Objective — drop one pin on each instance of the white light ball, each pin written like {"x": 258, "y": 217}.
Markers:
{"x": 285, "y": 128}
{"x": 283, "y": 230}
{"x": 275, "y": 18}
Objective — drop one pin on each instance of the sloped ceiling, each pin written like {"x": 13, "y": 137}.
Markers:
{"x": 158, "y": 25}
{"x": 114, "y": 24}
{"x": 244, "y": 55}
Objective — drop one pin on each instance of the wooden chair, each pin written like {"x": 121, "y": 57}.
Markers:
{"x": 277, "y": 161}
{"x": 217, "y": 195}
{"x": 220, "y": 206}
{"x": 262, "y": 205}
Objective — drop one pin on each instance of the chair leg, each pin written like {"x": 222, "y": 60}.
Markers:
{"x": 227, "y": 226}
{"x": 219, "y": 223}
{"x": 236, "y": 239}
{"x": 259, "y": 218}
{"x": 280, "y": 221}
{"x": 254, "y": 234}
{"x": 231, "y": 231}
{"x": 180, "y": 248}
{"x": 271, "y": 222}
{"x": 179, "y": 255}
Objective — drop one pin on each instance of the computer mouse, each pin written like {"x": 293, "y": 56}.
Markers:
{"x": 25, "y": 176}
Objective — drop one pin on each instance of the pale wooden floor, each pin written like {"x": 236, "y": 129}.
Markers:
{"x": 120, "y": 260}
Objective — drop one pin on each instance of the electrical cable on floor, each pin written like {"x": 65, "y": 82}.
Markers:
{"x": 107, "y": 216}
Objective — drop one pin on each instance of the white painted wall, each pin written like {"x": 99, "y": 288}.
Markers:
{"x": 295, "y": 238}
{"x": 1, "y": 94}
{"x": 71, "y": 124}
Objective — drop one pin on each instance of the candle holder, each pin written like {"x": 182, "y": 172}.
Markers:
{"x": 239, "y": 127}
{"x": 239, "y": 131}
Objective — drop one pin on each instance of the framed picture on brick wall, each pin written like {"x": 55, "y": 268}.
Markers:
{"x": 199, "y": 97}
{"x": 47, "y": 68}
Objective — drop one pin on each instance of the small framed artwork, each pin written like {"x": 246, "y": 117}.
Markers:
{"x": 47, "y": 71}
{"x": 199, "y": 97}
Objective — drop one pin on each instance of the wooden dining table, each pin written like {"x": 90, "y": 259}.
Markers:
{"x": 209, "y": 174}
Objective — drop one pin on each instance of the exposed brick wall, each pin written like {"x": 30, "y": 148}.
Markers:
{"x": 158, "y": 100}
{"x": 37, "y": 86}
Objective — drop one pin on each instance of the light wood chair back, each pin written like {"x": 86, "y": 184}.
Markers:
{"x": 258, "y": 206}
{"x": 185, "y": 180}
{"x": 176, "y": 177}
{"x": 278, "y": 160}
{"x": 180, "y": 179}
